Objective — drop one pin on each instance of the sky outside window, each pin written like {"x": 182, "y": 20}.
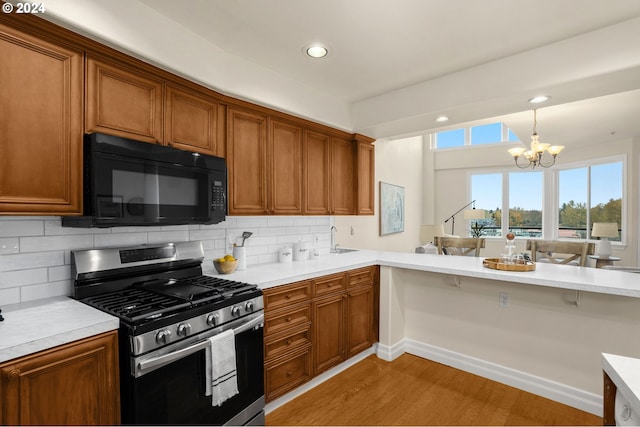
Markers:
{"x": 450, "y": 138}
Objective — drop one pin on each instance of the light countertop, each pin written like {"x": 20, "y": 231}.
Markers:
{"x": 46, "y": 323}
{"x": 41, "y": 324}
{"x": 587, "y": 279}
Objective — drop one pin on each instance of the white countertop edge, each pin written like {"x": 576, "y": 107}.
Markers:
{"x": 586, "y": 279}
{"x": 49, "y": 330}
{"x": 625, "y": 373}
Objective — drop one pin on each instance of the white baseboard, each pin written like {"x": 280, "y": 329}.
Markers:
{"x": 558, "y": 392}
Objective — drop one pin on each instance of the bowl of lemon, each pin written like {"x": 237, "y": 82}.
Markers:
{"x": 225, "y": 265}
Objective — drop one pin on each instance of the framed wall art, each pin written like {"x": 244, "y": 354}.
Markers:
{"x": 391, "y": 209}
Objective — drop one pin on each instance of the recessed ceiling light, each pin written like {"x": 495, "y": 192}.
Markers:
{"x": 442, "y": 119}
{"x": 539, "y": 99}
{"x": 317, "y": 51}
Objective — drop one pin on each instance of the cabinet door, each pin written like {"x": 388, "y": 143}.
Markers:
{"x": 285, "y": 160}
{"x": 193, "y": 121}
{"x": 123, "y": 102}
{"x": 359, "y": 319}
{"x": 342, "y": 177}
{"x": 328, "y": 332}
{"x": 74, "y": 384}
{"x": 316, "y": 173}
{"x": 286, "y": 373}
{"x": 40, "y": 126}
{"x": 247, "y": 162}
{"x": 366, "y": 171}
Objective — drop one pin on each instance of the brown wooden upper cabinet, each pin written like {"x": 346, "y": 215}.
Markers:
{"x": 366, "y": 175}
{"x": 316, "y": 185}
{"x": 193, "y": 121}
{"x": 247, "y": 162}
{"x": 132, "y": 103}
{"x": 41, "y": 125}
{"x": 264, "y": 157}
{"x": 285, "y": 168}
{"x": 341, "y": 172}
{"x": 123, "y": 102}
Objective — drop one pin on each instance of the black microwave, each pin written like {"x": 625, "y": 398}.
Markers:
{"x": 132, "y": 183}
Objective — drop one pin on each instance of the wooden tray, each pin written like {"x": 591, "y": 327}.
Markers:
{"x": 497, "y": 265}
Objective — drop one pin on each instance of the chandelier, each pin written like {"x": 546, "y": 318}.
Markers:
{"x": 540, "y": 154}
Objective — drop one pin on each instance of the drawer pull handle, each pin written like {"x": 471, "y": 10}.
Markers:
{"x": 288, "y": 319}
{"x": 288, "y": 342}
{"x": 289, "y": 373}
{"x": 287, "y": 296}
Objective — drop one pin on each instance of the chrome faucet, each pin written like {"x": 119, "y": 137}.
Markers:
{"x": 334, "y": 245}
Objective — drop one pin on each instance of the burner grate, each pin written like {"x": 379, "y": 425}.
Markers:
{"x": 136, "y": 305}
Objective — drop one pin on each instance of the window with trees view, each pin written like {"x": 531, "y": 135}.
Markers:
{"x": 587, "y": 195}
{"x": 524, "y": 202}
{"x": 584, "y": 195}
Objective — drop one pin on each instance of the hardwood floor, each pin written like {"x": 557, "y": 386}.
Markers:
{"x": 414, "y": 391}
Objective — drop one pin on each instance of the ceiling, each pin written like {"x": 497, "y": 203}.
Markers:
{"x": 380, "y": 46}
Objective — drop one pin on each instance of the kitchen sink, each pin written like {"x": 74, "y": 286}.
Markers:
{"x": 344, "y": 251}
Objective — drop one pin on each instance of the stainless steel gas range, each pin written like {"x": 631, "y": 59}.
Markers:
{"x": 170, "y": 315}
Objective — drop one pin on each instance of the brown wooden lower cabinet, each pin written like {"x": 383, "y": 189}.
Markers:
{"x": 314, "y": 325}
{"x": 73, "y": 384}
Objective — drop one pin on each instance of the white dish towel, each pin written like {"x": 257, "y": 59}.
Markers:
{"x": 221, "y": 379}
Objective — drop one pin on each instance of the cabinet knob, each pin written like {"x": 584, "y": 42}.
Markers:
{"x": 288, "y": 342}
{"x": 287, "y": 296}
{"x": 288, "y": 319}
{"x": 289, "y": 373}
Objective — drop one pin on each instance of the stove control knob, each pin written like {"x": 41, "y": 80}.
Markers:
{"x": 184, "y": 329}
{"x": 235, "y": 311}
{"x": 163, "y": 336}
{"x": 248, "y": 307}
{"x": 212, "y": 319}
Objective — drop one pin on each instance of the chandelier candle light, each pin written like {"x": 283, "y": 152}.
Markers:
{"x": 535, "y": 156}
{"x": 604, "y": 230}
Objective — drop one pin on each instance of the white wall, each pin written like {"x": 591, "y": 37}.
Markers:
{"x": 398, "y": 162}
{"x": 35, "y": 259}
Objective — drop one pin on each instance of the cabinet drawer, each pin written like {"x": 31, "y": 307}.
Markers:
{"x": 284, "y": 319}
{"x": 287, "y": 373}
{"x": 289, "y": 340}
{"x": 360, "y": 276}
{"x": 282, "y": 296}
{"x": 329, "y": 285}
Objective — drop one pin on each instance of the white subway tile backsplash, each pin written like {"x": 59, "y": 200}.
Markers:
{"x": 19, "y": 228}
{"x": 168, "y": 236}
{"x": 31, "y": 260}
{"x": 59, "y": 273}
{"x": 45, "y": 290}
{"x": 9, "y": 296}
{"x": 55, "y": 243}
{"x": 9, "y": 245}
{"x": 35, "y": 252}
{"x": 12, "y": 279}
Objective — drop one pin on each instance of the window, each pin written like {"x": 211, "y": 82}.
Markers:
{"x": 524, "y": 203}
{"x": 491, "y": 133}
{"x": 516, "y": 201}
{"x": 450, "y": 138}
{"x": 587, "y": 195}
{"x": 486, "y": 190}
{"x": 486, "y": 134}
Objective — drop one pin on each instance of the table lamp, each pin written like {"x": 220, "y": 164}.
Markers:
{"x": 604, "y": 230}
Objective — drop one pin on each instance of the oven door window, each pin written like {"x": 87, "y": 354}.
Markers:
{"x": 175, "y": 394}
{"x": 140, "y": 192}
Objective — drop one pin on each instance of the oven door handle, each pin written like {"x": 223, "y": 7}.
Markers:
{"x": 146, "y": 366}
